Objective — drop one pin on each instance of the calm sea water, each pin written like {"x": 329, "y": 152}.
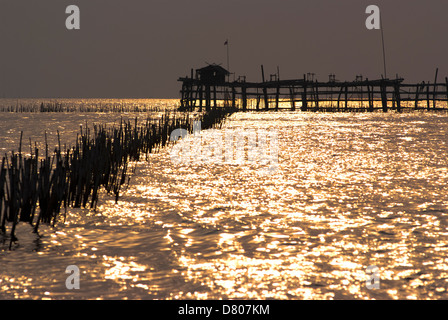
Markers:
{"x": 351, "y": 191}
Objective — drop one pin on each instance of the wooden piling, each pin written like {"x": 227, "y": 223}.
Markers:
{"x": 207, "y": 97}
{"x": 446, "y": 80}
{"x": 3, "y": 195}
{"x": 383, "y": 95}
{"x": 339, "y": 98}
{"x": 200, "y": 88}
{"x": 277, "y": 98}
{"x": 397, "y": 96}
{"x": 417, "y": 92}
{"x": 182, "y": 100}
{"x": 292, "y": 98}
{"x": 264, "y": 89}
{"x": 435, "y": 89}
{"x": 346, "y": 97}
{"x": 244, "y": 96}
{"x": 370, "y": 96}
{"x": 266, "y": 98}
{"x": 304, "y": 95}
{"x": 215, "y": 97}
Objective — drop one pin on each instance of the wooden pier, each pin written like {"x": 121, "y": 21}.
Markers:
{"x": 209, "y": 87}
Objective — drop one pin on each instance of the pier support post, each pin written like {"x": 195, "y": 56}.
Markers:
{"x": 339, "y": 98}
{"x": 293, "y": 102}
{"x": 207, "y": 98}
{"x": 434, "y": 94}
{"x": 215, "y": 104}
{"x": 304, "y": 98}
{"x": 446, "y": 80}
{"x": 188, "y": 96}
{"x": 201, "y": 89}
{"x": 417, "y": 93}
{"x": 370, "y": 95}
{"x": 346, "y": 97}
{"x": 266, "y": 98}
{"x": 244, "y": 96}
{"x": 397, "y": 96}
{"x": 383, "y": 95}
{"x": 277, "y": 98}
{"x": 182, "y": 92}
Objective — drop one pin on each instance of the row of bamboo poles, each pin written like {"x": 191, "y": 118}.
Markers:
{"x": 34, "y": 189}
{"x": 64, "y": 107}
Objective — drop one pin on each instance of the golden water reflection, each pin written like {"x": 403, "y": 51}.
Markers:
{"x": 351, "y": 191}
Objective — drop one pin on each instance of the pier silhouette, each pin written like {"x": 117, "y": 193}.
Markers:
{"x": 208, "y": 87}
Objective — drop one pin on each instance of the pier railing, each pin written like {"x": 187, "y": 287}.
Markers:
{"x": 308, "y": 95}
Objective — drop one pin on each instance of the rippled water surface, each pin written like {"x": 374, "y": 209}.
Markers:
{"x": 351, "y": 191}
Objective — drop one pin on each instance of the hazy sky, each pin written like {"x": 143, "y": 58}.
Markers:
{"x": 139, "y": 48}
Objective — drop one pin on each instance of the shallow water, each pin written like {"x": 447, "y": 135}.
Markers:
{"x": 351, "y": 191}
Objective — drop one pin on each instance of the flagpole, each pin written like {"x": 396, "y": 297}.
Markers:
{"x": 228, "y": 59}
{"x": 384, "y": 50}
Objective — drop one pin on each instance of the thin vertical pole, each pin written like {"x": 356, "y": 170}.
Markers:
{"x": 339, "y": 96}
{"x": 370, "y": 95}
{"x": 383, "y": 87}
{"x": 207, "y": 97}
{"x": 293, "y": 103}
{"x": 265, "y": 92}
{"x": 215, "y": 104}
{"x": 262, "y": 73}
{"x": 201, "y": 89}
{"x": 243, "y": 92}
{"x": 417, "y": 92}
{"x": 266, "y": 98}
{"x": 182, "y": 100}
{"x": 346, "y": 97}
{"x": 384, "y": 48}
{"x": 435, "y": 87}
{"x": 446, "y": 80}
{"x": 277, "y": 97}
{"x": 228, "y": 57}
{"x": 304, "y": 97}
{"x": 397, "y": 96}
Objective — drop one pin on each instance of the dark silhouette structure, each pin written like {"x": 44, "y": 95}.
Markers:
{"x": 209, "y": 88}
{"x": 212, "y": 74}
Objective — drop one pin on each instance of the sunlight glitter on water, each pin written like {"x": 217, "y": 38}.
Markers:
{"x": 351, "y": 191}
